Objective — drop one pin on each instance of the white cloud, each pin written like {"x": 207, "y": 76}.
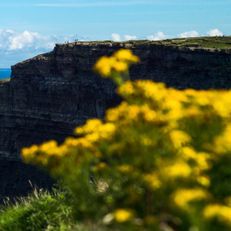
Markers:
{"x": 17, "y": 46}
{"x": 215, "y": 32}
{"x": 189, "y": 34}
{"x": 157, "y": 36}
{"x": 13, "y": 41}
{"x": 4, "y": 38}
{"x": 130, "y": 37}
{"x": 119, "y": 38}
{"x": 26, "y": 39}
{"x": 116, "y": 37}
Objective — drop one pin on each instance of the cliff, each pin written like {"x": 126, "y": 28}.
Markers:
{"x": 50, "y": 94}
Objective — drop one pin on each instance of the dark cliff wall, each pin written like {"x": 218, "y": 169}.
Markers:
{"x": 52, "y": 93}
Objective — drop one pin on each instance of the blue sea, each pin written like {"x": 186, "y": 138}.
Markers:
{"x": 5, "y": 73}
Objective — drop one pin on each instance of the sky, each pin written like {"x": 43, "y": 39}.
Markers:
{"x": 31, "y": 27}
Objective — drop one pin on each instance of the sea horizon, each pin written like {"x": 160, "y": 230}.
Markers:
{"x": 5, "y": 73}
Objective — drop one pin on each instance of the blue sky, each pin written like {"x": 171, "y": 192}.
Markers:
{"x": 30, "y": 27}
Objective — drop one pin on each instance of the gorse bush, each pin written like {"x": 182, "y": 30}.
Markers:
{"x": 159, "y": 161}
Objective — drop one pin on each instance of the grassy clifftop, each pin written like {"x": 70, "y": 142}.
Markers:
{"x": 219, "y": 43}
{"x": 200, "y": 42}
{"x": 222, "y": 43}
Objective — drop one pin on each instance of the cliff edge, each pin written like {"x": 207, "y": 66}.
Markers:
{"x": 52, "y": 93}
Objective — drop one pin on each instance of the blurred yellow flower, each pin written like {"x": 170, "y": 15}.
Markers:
{"x": 125, "y": 168}
{"x": 152, "y": 180}
{"x": 50, "y": 147}
{"x": 221, "y": 212}
{"x": 120, "y": 66}
{"x": 122, "y": 215}
{"x": 126, "y": 55}
{"x": 90, "y": 126}
{"x": 204, "y": 181}
{"x": 222, "y": 143}
{"x": 176, "y": 169}
{"x": 103, "y": 66}
{"x": 179, "y": 138}
{"x": 118, "y": 63}
{"x": 183, "y": 197}
{"x": 28, "y": 153}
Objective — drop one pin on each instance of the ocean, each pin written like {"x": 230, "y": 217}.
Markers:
{"x": 5, "y": 73}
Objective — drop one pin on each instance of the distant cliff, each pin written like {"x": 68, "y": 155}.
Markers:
{"x": 50, "y": 94}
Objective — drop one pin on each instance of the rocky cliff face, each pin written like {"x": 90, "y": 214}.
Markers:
{"x": 50, "y": 94}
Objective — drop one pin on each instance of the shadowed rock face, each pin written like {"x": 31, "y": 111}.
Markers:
{"x": 17, "y": 179}
{"x": 50, "y": 94}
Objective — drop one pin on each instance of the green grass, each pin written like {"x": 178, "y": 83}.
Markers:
{"x": 40, "y": 211}
{"x": 216, "y": 43}
{"x": 219, "y": 43}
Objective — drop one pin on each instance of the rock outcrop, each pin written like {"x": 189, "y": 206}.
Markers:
{"x": 50, "y": 94}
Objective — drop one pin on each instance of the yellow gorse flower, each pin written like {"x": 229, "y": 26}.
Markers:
{"x": 152, "y": 180}
{"x": 103, "y": 66}
{"x": 126, "y": 56}
{"x": 179, "y": 138}
{"x": 122, "y": 215}
{"x": 183, "y": 197}
{"x": 218, "y": 211}
{"x": 177, "y": 169}
{"x": 118, "y": 63}
{"x": 29, "y": 153}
